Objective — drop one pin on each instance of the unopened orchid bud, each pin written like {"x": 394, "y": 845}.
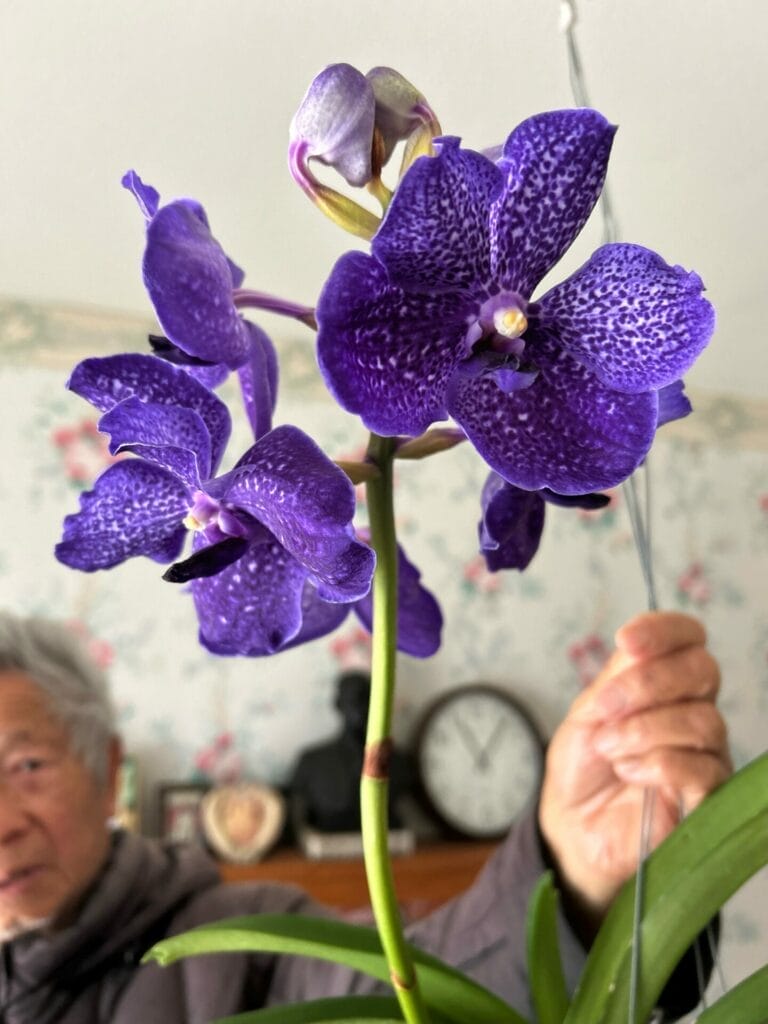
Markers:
{"x": 352, "y": 123}
{"x": 402, "y": 115}
{"x": 334, "y": 124}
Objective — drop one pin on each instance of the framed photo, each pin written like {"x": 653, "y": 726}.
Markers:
{"x": 179, "y": 811}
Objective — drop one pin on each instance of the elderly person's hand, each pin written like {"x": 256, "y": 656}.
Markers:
{"x": 649, "y": 719}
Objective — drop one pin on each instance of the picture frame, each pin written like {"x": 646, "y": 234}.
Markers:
{"x": 179, "y": 806}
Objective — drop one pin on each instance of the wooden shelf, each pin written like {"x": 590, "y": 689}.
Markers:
{"x": 424, "y": 879}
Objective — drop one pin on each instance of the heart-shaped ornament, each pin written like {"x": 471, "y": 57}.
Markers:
{"x": 242, "y": 822}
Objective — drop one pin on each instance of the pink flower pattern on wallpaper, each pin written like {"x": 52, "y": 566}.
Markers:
{"x": 600, "y": 518}
{"x": 220, "y": 762}
{"x": 588, "y": 656}
{"x": 84, "y": 451}
{"x": 352, "y": 649}
{"x": 693, "y": 586}
{"x": 477, "y": 579}
{"x": 101, "y": 652}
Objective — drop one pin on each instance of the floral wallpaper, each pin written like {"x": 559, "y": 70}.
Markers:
{"x": 187, "y": 715}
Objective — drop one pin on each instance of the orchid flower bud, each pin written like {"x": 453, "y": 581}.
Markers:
{"x": 402, "y": 114}
{"x": 334, "y": 125}
{"x": 352, "y": 123}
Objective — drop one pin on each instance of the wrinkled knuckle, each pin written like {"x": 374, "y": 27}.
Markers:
{"x": 702, "y": 667}
{"x": 704, "y": 725}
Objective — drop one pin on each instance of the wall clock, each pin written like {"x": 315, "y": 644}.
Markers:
{"x": 480, "y": 758}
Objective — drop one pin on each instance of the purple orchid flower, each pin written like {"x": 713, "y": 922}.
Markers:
{"x": 190, "y": 279}
{"x": 513, "y": 520}
{"x": 281, "y": 519}
{"x": 560, "y": 393}
{"x": 197, "y": 293}
{"x": 237, "y": 588}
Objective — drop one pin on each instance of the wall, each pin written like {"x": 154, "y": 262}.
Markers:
{"x": 541, "y": 634}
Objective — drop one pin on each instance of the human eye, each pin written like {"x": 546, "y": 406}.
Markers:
{"x": 29, "y": 764}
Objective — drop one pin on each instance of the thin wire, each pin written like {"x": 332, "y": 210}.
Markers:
{"x": 568, "y": 19}
{"x": 641, "y": 530}
{"x": 642, "y": 541}
{"x": 646, "y": 824}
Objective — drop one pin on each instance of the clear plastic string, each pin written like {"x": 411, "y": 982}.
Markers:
{"x": 646, "y": 825}
{"x": 640, "y": 518}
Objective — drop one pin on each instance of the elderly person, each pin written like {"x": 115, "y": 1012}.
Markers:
{"x": 80, "y": 904}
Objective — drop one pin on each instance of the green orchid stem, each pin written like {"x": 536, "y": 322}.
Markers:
{"x": 374, "y": 784}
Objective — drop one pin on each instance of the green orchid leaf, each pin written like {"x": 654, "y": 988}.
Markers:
{"x": 687, "y": 879}
{"x": 745, "y": 1002}
{"x": 349, "y": 1009}
{"x": 443, "y": 988}
{"x": 545, "y": 969}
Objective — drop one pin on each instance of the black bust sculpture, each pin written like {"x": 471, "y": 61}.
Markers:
{"x": 325, "y": 788}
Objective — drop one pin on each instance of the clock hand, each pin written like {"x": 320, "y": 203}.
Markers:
{"x": 491, "y": 742}
{"x": 470, "y": 742}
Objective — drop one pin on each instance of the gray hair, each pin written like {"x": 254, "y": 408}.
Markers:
{"x": 76, "y": 688}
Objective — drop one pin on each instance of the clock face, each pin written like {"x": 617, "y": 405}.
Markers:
{"x": 480, "y": 760}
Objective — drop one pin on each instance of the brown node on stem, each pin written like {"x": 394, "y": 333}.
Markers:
{"x": 398, "y": 983}
{"x": 377, "y": 758}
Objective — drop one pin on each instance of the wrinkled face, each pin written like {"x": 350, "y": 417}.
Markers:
{"x": 53, "y": 836}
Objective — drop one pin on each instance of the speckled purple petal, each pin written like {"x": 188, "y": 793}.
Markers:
{"x": 419, "y": 619}
{"x": 253, "y": 607}
{"x": 511, "y": 525}
{"x": 108, "y": 380}
{"x": 435, "y": 235}
{"x": 258, "y": 381}
{"x": 168, "y": 435}
{"x": 307, "y": 502}
{"x": 318, "y": 617}
{"x": 387, "y": 355}
{"x": 566, "y": 432}
{"x": 334, "y": 122}
{"x": 189, "y": 280}
{"x": 147, "y": 197}
{"x": 628, "y": 316}
{"x": 554, "y": 165}
{"x": 135, "y": 508}
{"x": 674, "y": 404}
{"x": 210, "y": 375}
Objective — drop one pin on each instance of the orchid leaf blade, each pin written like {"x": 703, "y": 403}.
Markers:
{"x": 687, "y": 879}
{"x": 349, "y": 1009}
{"x": 745, "y": 1002}
{"x": 444, "y": 989}
{"x": 545, "y": 969}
